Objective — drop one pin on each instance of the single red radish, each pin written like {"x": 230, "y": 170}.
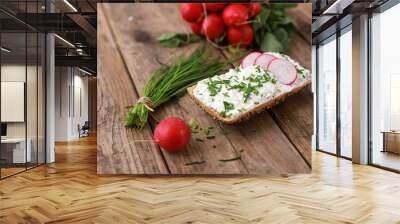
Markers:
{"x": 264, "y": 60}
{"x": 284, "y": 71}
{"x": 172, "y": 134}
{"x": 255, "y": 9}
{"x": 213, "y": 26}
{"x": 240, "y": 35}
{"x": 250, "y": 59}
{"x": 191, "y": 12}
{"x": 235, "y": 14}
{"x": 214, "y": 7}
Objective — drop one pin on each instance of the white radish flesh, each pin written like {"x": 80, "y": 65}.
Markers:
{"x": 264, "y": 60}
{"x": 250, "y": 59}
{"x": 284, "y": 71}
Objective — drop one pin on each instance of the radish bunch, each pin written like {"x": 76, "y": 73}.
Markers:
{"x": 284, "y": 70}
{"x": 222, "y": 21}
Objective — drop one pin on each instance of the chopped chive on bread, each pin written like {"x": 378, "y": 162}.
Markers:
{"x": 246, "y": 90}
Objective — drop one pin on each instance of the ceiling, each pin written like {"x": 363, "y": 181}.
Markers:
{"x": 332, "y": 15}
{"x": 74, "y": 22}
{"x": 19, "y": 54}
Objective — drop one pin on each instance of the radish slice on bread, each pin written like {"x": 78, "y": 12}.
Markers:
{"x": 264, "y": 60}
{"x": 284, "y": 71}
{"x": 250, "y": 59}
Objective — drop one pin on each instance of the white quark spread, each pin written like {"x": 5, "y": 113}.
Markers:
{"x": 241, "y": 89}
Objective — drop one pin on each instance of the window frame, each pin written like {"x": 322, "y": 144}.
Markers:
{"x": 333, "y": 37}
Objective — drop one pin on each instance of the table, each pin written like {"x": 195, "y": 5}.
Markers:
{"x": 391, "y": 141}
{"x": 277, "y": 141}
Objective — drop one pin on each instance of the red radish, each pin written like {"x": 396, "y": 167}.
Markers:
{"x": 240, "y": 35}
{"x": 213, "y": 26}
{"x": 196, "y": 28}
{"x": 235, "y": 14}
{"x": 191, "y": 12}
{"x": 255, "y": 9}
{"x": 214, "y": 7}
{"x": 250, "y": 59}
{"x": 264, "y": 60}
{"x": 172, "y": 134}
{"x": 284, "y": 71}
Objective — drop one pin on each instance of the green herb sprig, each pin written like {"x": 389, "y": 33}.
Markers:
{"x": 171, "y": 80}
{"x": 273, "y": 28}
{"x": 195, "y": 163}
{"x": 173, "y": 40}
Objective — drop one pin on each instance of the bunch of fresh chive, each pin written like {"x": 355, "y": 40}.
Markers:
{"x": 171, "y": 80}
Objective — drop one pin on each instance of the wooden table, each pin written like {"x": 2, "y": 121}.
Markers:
{"x": 391, "y": 141}
{"x": 274, "y": 142}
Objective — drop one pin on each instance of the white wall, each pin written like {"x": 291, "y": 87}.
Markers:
{"x": 12, "y": 73}
{"x": 80, "y": 109}
{"x": 71, "y": 102}
{"x": 33, "y": 126}
{"x": 62, "y": 82}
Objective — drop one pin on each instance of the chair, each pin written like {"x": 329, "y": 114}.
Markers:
{"x": 84, "y": 130}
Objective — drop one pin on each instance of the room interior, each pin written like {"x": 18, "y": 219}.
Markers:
{"x": 22, "y": 102}
{"x": 385, "y": 89}
{"x": 336, "y": 48}
{"x": 28, "y": 88}
{"x": 346, "y": 185}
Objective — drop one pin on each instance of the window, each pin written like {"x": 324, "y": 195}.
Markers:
{"x": 22, "y": 77}
{"x": 385, "y": 89}
{"x": 327, "y": 96}
{"x": 334, "y": 106}
{"x": 346, "y": 75}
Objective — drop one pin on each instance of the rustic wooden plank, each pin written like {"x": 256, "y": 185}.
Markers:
{"x": 267, "y": 151}
{"x": 300, "y": 50}
{"x": 295, "y": 118}
{"x": 303, "y": 15}
{"x": 267, "y": 146}
{"x": 117, "y": 153}
{"x": 137, "y": 29}
{"x": 295, "y": 115}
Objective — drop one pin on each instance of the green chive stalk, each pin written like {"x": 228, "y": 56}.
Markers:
{"x": 171, "y": 80}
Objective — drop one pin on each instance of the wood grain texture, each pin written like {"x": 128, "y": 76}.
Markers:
{"x": 303, "y": 15}
{"x": 300, "y": 51}
{"x": 120, "y": 150}
{"x": 70, "y": 191}
{"x": 186, "y": 109}
{"x": 266, "y": 148}
{"x": 295, "y": 115}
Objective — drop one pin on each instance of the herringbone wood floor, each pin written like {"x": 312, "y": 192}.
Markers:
{"x": 70, "y": 191}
